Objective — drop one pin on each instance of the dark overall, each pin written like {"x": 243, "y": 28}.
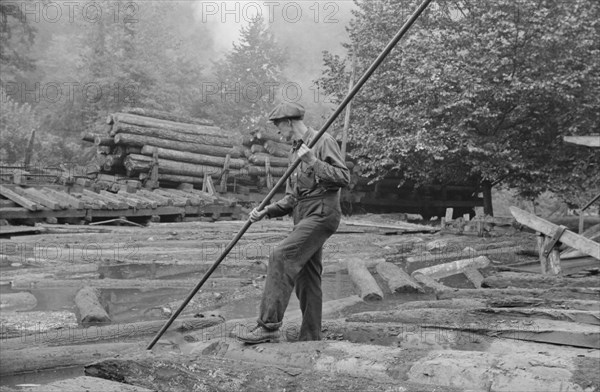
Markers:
{"x": 314, "y": 199}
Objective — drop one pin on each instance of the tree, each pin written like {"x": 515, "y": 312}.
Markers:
{"x": 478, "y": 91}
{"x": 16, "y": 38}
{"x": 247, "y": 78}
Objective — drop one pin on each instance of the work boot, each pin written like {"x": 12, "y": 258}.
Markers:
{"x": 258, "y": 334}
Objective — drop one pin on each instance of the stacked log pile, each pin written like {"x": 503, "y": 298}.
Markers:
{"x": 186, "y": 150}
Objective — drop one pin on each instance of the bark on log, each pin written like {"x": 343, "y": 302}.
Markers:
{"x": 261, "y": 159}
{"x": 563, "y": 297}
{"x": 141, "y": 141}
{"x": 190, "y": 157}
{"x": 364, "y": 281}
{"x": 115, "y": 333}
{"x": 176, "y": 373}
{"x": 85, "y": 383}
{"x": 171, "y": 135}
{"x": 519, "y": 328}
{"x": 261, "y": 172}
{"x": 257, "y": 148}
{"x": 520, "y": 279}
{"x": 45, "y": 358}
{"x": 104, "y": 141}
{"x": 455, "y": 267}
{"x": 170, "y": 125}
{"x": 319, "y": 366}
{"x": 91, "y": 312}
{"x": 162, "y": 115}
{"x": 396, "y": 279}
{"x": 136, "y": 164}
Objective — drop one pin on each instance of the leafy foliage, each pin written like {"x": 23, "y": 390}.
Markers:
{"x": 248, "y": 77}
{"x": 478, "y": 91}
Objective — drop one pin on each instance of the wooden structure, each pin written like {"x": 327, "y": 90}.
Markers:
{"x": 549, "y": 238}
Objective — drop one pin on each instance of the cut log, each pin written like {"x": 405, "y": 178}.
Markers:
{"x": 587, "y": 246}
{"x": 257, "y": 148}
{"x": 89, "y": 137}
{"x": 261, "y": 158}
{"x": 115, "y": 333}
{"x": 176, "y": 373}
{"x": 190, "y": 157}
{"x": 177, "y": 179}
{"x": 28, "y": 282}
{"x": 91, "y": 312}
{"x": 319, "y": 366}
{"x": 573, "y": 298}
{"x": 535, "y": 281}
{"x": 136, "y": 164}
{"x": 85, "y": 383}
{"x": 260, "y": 171}
{"x": 38, "y": 197}
{"x": 172, "y": 135}
{"x": 589, "y": 141}
{"x": 281, "y": 150}
{"x": 129, "y": 139}
{"x": 367, "y": 286}
{"x": 462, "y": 254}
{"x": 37, "y": 359}
{"x": 456, "y": 267}
{"x": 162, "y": 115}
{"x": 396, "y": 279}
{"x": 577, "y": 316}
{"x": 265, "y": 134}
{"x": 530, "y": 329}
{"x": 170, "y": 125}
{"x": 10, "y": 302}
{"x": 104, "y": 141}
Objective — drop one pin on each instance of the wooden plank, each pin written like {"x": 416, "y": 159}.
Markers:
{"x": 65, "y": 198}
{"x": 569, "y": 238}
{"x": 589, "y": 141}
{"x": 110, "y": 203}
{"x": 404, "y": 227}
{"x": 117, "y": 200}
{"x": 38, "y": 197}
{"x": 20, "y": 200}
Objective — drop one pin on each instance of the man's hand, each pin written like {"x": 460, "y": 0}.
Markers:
{"x": 307, "y": 155}
{"x": 257, "y": 215}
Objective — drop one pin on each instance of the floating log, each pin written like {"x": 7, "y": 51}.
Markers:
{"x": 530, "y": 329}
{"x": 91, "y": 312}
{"x": 364, "y": 281}
{"x": 141, "y": 141}
{"x": 17, "y": 302}
{"x": 116, "y": 333}
{"x": 558, "y": 297}
{"x": 37, "y": 359}
{"x": 190, "y": 157}
{"x": 162, "y": 115}
{"x": 177, "y": 373}
{"x": 396, "y": 279}
{"x": 172, "y": 135}
{"x": 455, "y": 267}
{"x": 339, "y": 366}
{"x": 85, "y": 383}
{"x": 535, "y": 281}
{"x": 261, "y": 158}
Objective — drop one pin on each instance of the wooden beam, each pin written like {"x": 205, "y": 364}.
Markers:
{"x": 20, "y": 200}
{"x": 38, "y": 197}
{"x": 569, "y": 238}
{"x": 589, "y": 141}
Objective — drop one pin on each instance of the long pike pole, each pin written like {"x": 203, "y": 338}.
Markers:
{"x": 291, "y": 168}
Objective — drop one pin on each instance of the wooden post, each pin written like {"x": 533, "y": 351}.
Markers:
{"x": 225, "y": 174}
{"x": 29, "y": 152}
{"x": 349, "y": 106}
{"x": 540, "y": 246}
{"x": 488, "y": 208}
{"x": 268, "y": 172}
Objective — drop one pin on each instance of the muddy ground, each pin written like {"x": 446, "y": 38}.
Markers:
{"x": 142, "y": 274}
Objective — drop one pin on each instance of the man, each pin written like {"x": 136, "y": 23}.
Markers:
{"x": 313, "y": 196}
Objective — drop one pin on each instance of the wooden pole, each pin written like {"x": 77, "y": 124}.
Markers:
{"x": 349, "y": 107}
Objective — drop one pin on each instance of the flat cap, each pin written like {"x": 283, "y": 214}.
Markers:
{"x": 287, "y": 110}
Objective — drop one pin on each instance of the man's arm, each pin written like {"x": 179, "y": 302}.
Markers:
{"x": 330, "y": 168}
{"x": 283, "y": 206}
